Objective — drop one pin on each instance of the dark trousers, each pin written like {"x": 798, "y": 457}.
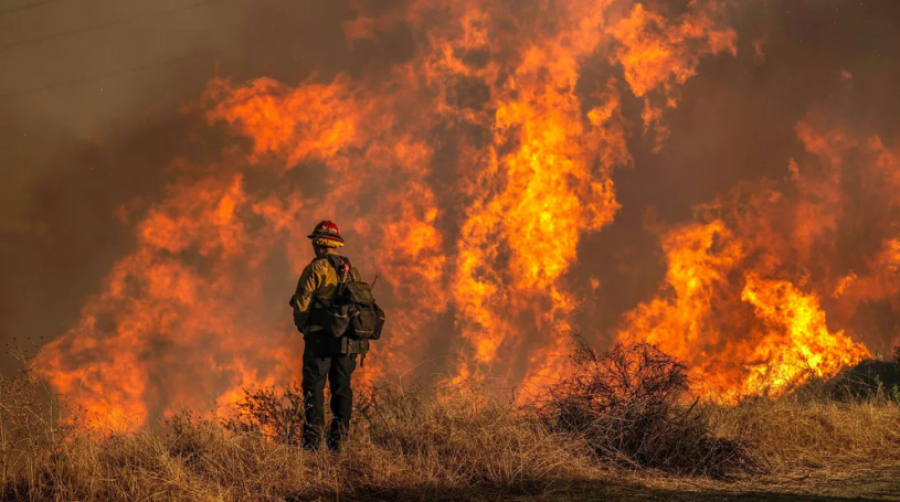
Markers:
{"x": 337, "y": 369}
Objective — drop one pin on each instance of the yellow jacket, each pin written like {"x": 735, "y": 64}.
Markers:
{"x": 317, "y": 286}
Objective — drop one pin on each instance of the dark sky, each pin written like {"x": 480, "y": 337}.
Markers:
{"x": 90, "y": 92}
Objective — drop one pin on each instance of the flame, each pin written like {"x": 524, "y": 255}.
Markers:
{"x": 797, "y": 343}
{"x": 742, "y": 302}
{"x": 658, "y": 55}
{"x": 554, "y": 185}
{"x": 467, "y": 178}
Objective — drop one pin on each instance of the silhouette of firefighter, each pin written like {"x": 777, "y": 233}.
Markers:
{"x": 337, "y": 314}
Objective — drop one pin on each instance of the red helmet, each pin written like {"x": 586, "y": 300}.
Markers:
{"x": 327, "y": 234}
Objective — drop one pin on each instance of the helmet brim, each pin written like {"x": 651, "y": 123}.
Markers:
{"x": 327, "y": 237}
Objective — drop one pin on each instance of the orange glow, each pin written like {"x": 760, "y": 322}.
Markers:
{"x": 742, "y": 300}
{"x": 796, "y": 343}
{"x": 468, "y": 178}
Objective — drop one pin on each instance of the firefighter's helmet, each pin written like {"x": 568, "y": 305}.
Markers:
{"x": 327, "y": 234}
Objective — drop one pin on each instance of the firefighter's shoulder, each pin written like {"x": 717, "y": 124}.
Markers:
{"x": 319, "y": 264}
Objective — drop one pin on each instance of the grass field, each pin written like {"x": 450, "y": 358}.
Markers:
{"x": 418, "y": 444}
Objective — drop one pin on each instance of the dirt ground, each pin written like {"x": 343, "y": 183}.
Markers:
{"x": 860, "y": 482}
{"x": 857, "y": 483}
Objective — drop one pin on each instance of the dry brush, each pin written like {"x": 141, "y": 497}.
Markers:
{"x": 626, "y": 407}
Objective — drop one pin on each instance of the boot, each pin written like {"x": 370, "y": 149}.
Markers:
{"x": 312, "y": 438}
{"x": 338, "y": 436}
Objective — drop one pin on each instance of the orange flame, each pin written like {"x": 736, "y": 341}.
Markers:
{"x": 742, "y": 301}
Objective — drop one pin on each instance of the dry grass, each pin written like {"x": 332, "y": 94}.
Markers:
{"x": 407, "y": 444}
{"x": 794, "y": 432}
{"x": 412, "y": 444}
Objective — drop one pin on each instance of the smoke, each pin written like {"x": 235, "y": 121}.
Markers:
{"x": 90, "y": 97}
{"x": 382, "y": 115}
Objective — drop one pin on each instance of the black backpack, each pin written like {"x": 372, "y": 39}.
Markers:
{"x": 353, "y": 311}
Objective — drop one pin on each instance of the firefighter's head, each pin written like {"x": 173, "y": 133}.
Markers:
{"x": 326, "y": 236}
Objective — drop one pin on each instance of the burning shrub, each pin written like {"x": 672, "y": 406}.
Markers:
{"x": 628, "y": 405}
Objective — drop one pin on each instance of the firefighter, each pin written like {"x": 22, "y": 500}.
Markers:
{"x": 324, "y": 355}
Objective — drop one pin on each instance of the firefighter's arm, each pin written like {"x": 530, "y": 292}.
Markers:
{"x": 306, "y": 288}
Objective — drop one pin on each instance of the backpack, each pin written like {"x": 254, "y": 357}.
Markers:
{"x": 353, "y": 312}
